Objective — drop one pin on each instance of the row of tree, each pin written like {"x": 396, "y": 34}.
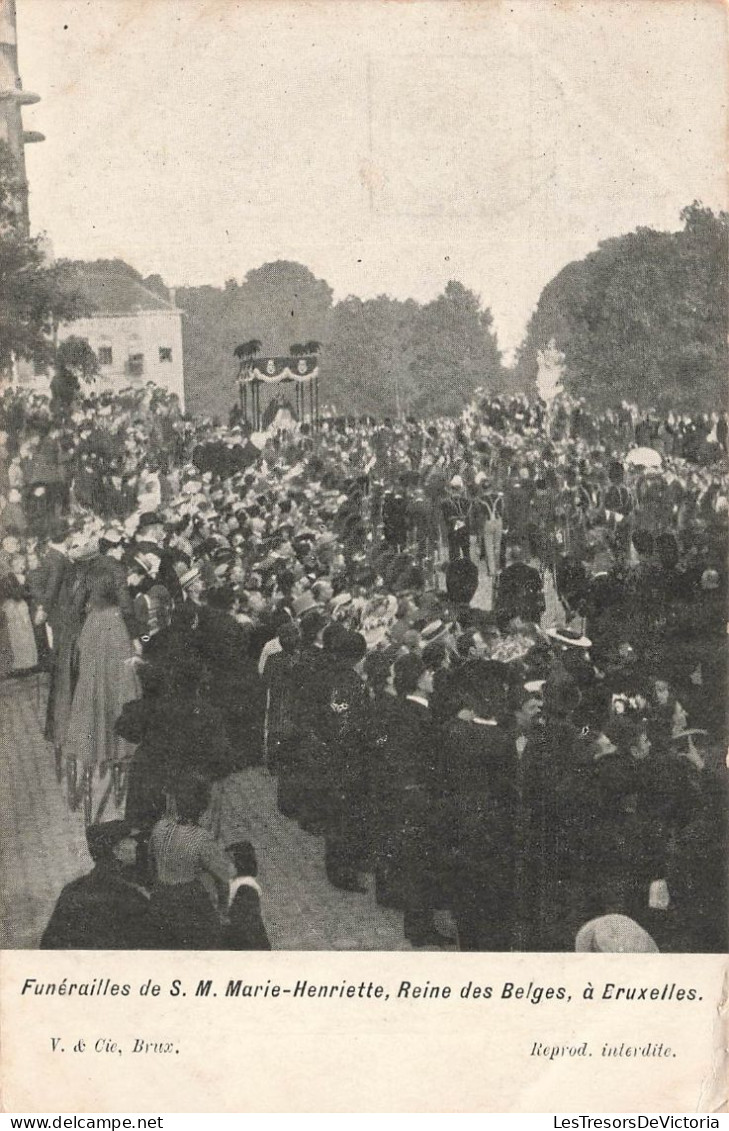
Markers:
{"x": 644, "y": 318}
{"x": 380, "y": 356}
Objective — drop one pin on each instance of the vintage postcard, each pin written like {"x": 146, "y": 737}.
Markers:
{"x": 364, "y": 505}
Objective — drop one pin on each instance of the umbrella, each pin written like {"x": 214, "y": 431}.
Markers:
{"x": 644, "y": 457}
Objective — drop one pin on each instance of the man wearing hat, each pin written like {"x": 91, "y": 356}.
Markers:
{"x": 404, "y": 779}
{"x": 151, "y": 538}
{"x": 479, "y": 762}
{"x": 107, "y": 909}
{"x": 456, "y": 511}
{"x": 47, "y": 581}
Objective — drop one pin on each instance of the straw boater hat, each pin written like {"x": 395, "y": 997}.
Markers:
{"x": 569, "y": 637}
{"x": 191, "y": 575}
{"x": 436, "y": 630}
{"x": 535, "y": 686}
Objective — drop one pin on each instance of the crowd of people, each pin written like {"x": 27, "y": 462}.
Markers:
{"x": 484, "y": 660}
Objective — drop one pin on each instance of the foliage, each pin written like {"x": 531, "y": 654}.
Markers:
{"x": 35, "y": 296}
{"x": 75, "y": 362}
{"x": 644, "y": 318}
{"x": 366, "y": 367}
{"x": 456, "y": 352}
{"x": 381, "y": 356}
{"x": 275, "y": 304}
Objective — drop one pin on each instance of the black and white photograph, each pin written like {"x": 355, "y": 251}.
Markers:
{"x": 364, "y": 476}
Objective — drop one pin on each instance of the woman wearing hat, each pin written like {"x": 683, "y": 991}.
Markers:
{"x": 344, "y": 735}
{"x": 107, "y": 680}
{"x": 18, "y": 652}
{"x": 67, "y": 624}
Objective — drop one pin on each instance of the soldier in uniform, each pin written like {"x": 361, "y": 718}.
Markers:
{"x": 395, "y": 519}
{"x": 456, "y": 510}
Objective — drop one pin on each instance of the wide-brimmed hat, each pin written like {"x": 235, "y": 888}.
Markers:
{"x": 686, "y": 732}
{"x": 303, "y": 603}
{"x": 191, "y": 575}
{"x": 339, "y": 603}
{"x": 569, "y": 637}
{"x": 435, "y": 630}
{"x": 614, "y": 934}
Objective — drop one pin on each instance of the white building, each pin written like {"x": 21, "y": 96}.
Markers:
{"x": 135, "y": 333}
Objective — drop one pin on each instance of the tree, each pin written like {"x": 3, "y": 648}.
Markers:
{"x": 366, "y": 368}
{"x": 644, "y": 318}
{"x": 75, "y": 362}
{"x": 280, "y": 302}
{"x": 34, "y": 295}
{"x": 156, "y": 284}
{"x": 456, "y": 352}
{"x": 245, "y": 352}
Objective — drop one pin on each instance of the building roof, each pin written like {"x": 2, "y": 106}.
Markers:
{"x": 110, "y": 291}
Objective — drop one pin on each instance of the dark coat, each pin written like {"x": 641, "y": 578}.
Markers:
{"x": 245, "y": 929}
{"x": 404, "y": 788}
{"x": 71, "y": 609}
{"x": 479, "y": 771}
{"x": 46, "y": 584}
{"x": 520, "y": 594}
{"x": 104, "y": 910}
{"x": 234, "y": 685}
{"x": 341, "y": 727}
{"x": 301, "y": 760}
{"x": 173, "y": 736}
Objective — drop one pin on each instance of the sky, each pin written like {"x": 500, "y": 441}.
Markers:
{"x": 390, "y": 145}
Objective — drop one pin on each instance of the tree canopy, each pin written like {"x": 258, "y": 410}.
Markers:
{"x": 644, "y": 318}
{"x": 75, "y": 362}
{"x": 382, "y": 356}
{"x": 276, "y": 304}
{"x": 35, "y": 295}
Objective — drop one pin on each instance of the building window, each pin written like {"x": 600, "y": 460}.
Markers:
{"x": 165, "y": 353}
{"x": 105, "y": 355}
{"x": 135, "y": 367}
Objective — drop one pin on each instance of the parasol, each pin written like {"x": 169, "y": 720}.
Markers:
{"x": 644, "y": 457}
